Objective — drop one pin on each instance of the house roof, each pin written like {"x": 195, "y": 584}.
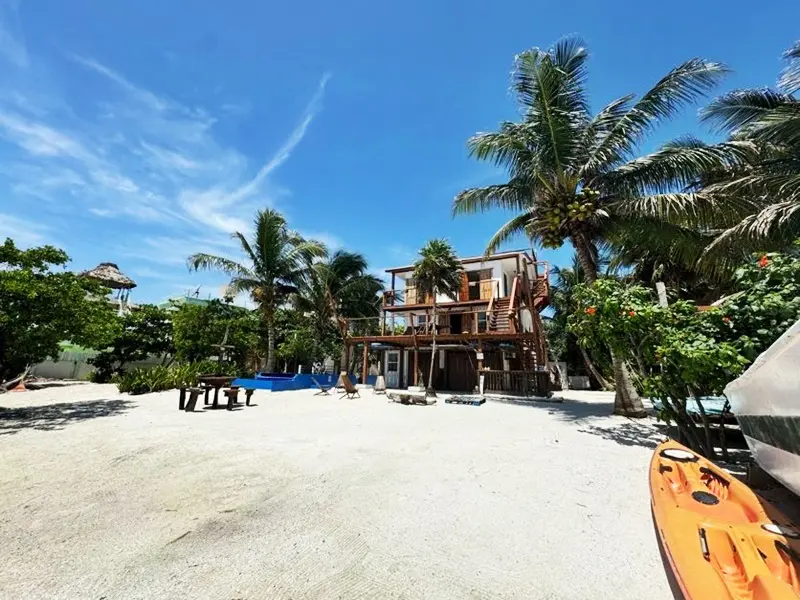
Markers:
{"x": 472, "y": 259}
{"x": 109, "y": 275}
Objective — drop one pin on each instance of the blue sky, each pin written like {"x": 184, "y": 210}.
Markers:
{"x": 140, "y": 132}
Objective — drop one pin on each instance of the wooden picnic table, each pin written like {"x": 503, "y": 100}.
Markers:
{"x": 216, "y": 382}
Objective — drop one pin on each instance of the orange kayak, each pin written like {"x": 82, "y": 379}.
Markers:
{"x": 719, "y": 540}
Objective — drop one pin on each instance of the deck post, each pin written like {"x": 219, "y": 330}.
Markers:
{"x": 365, "y": 366}
{"x": 480, "y": 365}
{"x": 416, "y": 366}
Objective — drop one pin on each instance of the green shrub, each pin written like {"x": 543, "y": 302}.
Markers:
{"x": 160, "y": 378}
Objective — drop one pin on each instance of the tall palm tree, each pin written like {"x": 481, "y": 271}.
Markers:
{"x": 436, "y": 271}
{"x": 278, "y": 261}
{"x": 338, "y": 289}
{"x": 573, "y": 175}
{"x": 770, "y": 118}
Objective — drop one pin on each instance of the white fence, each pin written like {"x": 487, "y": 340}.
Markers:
{"x": 75, "y": 365}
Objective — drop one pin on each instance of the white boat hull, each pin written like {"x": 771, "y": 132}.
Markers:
{"x": 766, "y": 402}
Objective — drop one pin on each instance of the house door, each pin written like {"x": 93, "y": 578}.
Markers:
{"x": 461, "y": 371}
{"x": 393, "y": 369}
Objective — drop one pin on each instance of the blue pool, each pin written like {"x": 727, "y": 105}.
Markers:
{"x": 278, "y": 382}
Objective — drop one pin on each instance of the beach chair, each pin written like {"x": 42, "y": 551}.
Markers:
{"x": 350, "y": 391}
{"x": 323, "y": 389}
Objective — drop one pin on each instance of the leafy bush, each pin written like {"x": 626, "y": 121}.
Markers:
{"x": 42, "y": 305}
{"x": 145, "y": 331}
{"x": 160, "y": 378}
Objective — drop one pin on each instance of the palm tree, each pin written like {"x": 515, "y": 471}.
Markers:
{"x": 338, "y": 289}
{"x": 278, "y": 261}
{"x": 437, "y": 271}
{"x": 770, "y": 118}
{"x": 574, "y": 175}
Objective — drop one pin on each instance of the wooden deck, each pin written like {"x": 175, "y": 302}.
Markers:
{"x": 441, "y": 338}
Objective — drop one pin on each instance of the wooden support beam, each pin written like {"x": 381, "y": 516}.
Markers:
{"x": 416, "y": 366}
{"x": 365, "y": 366}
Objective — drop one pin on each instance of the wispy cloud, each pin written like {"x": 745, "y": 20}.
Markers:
{"x": 139, "y": 156}
{"x": 12, "y": 43}
{"x": 24, "y": 232}
{"x": 210, "y": 206}
{"x": 145, "y": 97}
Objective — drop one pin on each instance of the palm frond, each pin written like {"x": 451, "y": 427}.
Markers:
{"x": 208, "y": 262}
{"x": 790, "y": 78}
{"x": 677, "y": 165}
{"x": 780, "y": 126}
{"x": 520, "y": 224}
{"x": 508, "y": 147}
{"x": 699, "y": 210}
{"x": 514, "y": 195}
{"x": 776, "y": 227}
{"x": 737, "y": 110}
{"x": 682, "y": 86}
{"x": 551, "y": 87}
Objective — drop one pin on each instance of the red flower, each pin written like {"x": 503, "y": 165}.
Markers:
{"x": 632, "y": 313}
{"x": 763, "y": 261}
{"x": 591, "y": 310}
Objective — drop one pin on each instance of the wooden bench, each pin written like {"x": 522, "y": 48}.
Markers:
{"x": 232, "y": 394}
{"x": 207, "y": 389}
{"x": 189, "y": 405}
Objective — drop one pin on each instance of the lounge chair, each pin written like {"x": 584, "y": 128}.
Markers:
{"x": 323, "y": 389}
{"x": 350, "y": 391}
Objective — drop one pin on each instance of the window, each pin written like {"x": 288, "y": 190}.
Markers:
{"x": 482, "y": 321}
{"x": 393, "y": 361}
{"x": 422, "y": 319}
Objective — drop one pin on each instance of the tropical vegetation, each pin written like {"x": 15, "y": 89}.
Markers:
{"x": 685, "y": 215}
{"x": 277, "y": 263}
{"x": 42, "y": 305}
{"x": 436, "y": 271}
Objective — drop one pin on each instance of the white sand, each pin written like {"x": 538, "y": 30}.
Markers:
{"x": 314, "y": 497}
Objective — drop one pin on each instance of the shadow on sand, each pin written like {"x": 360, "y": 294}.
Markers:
{"x": 632, "y": 432}
{"x": 51, "y": 417}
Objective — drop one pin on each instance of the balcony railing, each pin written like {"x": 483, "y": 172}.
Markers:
{"x": 516, "y": 383}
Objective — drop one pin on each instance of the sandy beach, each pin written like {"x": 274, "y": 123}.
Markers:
{"x": 108, "y": 496}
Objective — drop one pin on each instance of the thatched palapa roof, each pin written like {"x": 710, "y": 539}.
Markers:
{"x": 109, "y": 275}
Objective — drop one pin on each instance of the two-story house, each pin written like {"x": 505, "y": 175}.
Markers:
{"x": 492, "y": 328}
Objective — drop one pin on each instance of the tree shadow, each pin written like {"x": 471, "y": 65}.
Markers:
{"x": 566, "y": 409}
{"x": 52, "y": 417}
{"x": 45, "y": 384}
{"x": 631, "y": 433}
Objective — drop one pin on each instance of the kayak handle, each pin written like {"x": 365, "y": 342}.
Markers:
{"x": 704, "y": 544}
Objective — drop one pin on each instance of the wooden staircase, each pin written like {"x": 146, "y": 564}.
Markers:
{"x": 498, "y": 319}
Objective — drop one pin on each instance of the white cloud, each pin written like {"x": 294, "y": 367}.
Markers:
{"x": 331, "y": 241}
{"x": 41, "y": 140}
{"x": 142, "y": 95}
{"x": 25, "y": 233}
{"x": 211, "y": 206}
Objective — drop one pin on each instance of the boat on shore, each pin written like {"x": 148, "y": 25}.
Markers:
{"x": 719, "y": 540}
{"x": 766, "y": 402}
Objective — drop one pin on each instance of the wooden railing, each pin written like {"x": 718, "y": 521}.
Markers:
{"x": 513, "y": 326}
{"x": 517, "y": 383}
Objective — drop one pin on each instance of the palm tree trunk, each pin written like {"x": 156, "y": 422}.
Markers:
{"x": 626, "y": 400}
{"x": 594, "y": 370}
{"x": 430, "y": 391}
{"x": 585, "y": 258}
{"x": 269, "y": 317}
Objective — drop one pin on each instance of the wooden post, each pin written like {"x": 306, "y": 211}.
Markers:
{"x": 480, "y": 366}
{"x": 416, "y": 366}
{"x": 365, "y": 366}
